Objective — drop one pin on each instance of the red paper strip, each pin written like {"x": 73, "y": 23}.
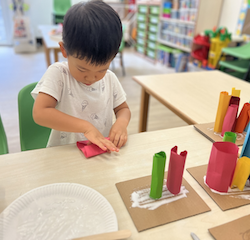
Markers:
{"x": 175, "y": 170}
{"x": 90, "y": 150}
{"x": 221, "y": 166}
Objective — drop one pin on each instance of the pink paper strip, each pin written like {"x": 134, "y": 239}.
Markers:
{"x": 234, "y": 101}
{"x": 89, "y": 150}
{"x": 175, "y": 170}
{"x": 229, "y": 119}
{"x": 221, "y": 166}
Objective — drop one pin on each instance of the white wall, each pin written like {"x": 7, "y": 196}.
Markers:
{"x": 230, "y": 14}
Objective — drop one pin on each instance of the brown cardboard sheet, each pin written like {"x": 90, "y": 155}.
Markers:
{"x": 225, "y": 202}
{"x": 145, "y": 218}
{"x": 206, "y": 129}
{"x": 238, "y": 229}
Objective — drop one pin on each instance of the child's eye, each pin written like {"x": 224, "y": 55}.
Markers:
{"x": 80, "y": 70}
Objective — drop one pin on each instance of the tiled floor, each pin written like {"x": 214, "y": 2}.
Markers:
{"x": 18, "y": 70}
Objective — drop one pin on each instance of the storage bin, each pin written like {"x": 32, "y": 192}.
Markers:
{"x": 152, "y": 45}
{"x": 143, "y": 9}
{"x": 140, "y": 41}
{"x": 141, "y": 33}
{"x": 194, "y": 4}
{"x": 192, "y": 15}
{"x": 154, "y": 10}
{"x": 142, "y": 25}
{"x": 150, "y": 53}
{"x": 182, "y": 29}
{"x": 174, "y": 14}
{"x": 140, "y": 49}
{"x": 184, "y": 14}
{"x": 176, "y": 28}
{"x": 190, "y": 30}
{"x": 153, "y": 19}
{"x": 188, "y": 42}
{"x": 185, "y": 3}
{"x": 165, "y": 36}
{"x": 164, "y": 26}
{"x": 141, "y": 18}
{"x": 152, "y": 36}
{"x": 153, "y": 28}
{"x": 170, "y": 27}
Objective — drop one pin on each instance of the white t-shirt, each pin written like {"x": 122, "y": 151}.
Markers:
{"x": 94, "y": 103}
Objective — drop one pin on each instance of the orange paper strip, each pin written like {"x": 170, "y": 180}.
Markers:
{"x": 221, "y": 111}
{"x": 241, "y": 173}
{"x": 243, "y": 118}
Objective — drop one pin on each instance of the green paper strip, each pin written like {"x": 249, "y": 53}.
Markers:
{"x": 229, "y": 137}
{"x": 157, "y": 178}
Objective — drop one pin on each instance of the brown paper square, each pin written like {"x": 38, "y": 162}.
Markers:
{"x": 225, "y": 202}
{"x": 206, "y": 129}
{"x": 238, "y": 229}
{"x": 145, "y": 219}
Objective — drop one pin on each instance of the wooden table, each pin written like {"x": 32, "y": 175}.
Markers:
{"x": 49, "y": 43}
{"x": 193, "y": 96}
{"x": 22, "y": 172}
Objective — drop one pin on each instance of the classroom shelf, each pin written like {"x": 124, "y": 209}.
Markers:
{"x": 185, "y": 49}
{"x": 177, "y": 21}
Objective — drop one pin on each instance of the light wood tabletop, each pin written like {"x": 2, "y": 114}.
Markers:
{"x": 49, "y": 42}
{"x": 193, "y": 96}
{"x": 22, "y": 172}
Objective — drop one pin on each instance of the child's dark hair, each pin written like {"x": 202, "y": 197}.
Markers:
{"x": 92, "y": 31}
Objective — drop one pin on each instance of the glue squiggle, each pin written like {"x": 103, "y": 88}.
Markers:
{"x": 239, "y": 135}
{"x": 141, "y": 198}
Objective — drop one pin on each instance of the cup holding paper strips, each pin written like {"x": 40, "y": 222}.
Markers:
{"x": 158, "y": 170}
{"x": 229, "y": 137}
{"x": 221, "y": 111}
{"x": 89, "y": 150}
{"x": 243, "y": 118}
{"x": 241, "y": 173}
{"x": 221, "y": 165}
{"x": 175, "y": 170}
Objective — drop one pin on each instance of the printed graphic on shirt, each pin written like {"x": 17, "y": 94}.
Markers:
{"x": 62, "y": 69}
{"x": 63, "y": 135}
{"x": 70, "y": 92}
{"x": 84, "y": 104}
{"x": 94, "y": 116}
{"x": 102, "y": 86}
{"x": 115, "y": 95}
{"x": 89, "y": 88}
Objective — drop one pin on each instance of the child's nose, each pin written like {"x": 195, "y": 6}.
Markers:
{"x": 90, "y": 77}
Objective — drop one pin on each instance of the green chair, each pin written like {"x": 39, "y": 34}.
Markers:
{"x": 3, "y": 140}
{"x": 241, "y": 65}
{"x": 60, "y": 7}
{"x": 32, "y": 135}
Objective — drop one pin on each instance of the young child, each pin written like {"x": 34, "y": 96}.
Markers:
{"x": 77, "y": 98}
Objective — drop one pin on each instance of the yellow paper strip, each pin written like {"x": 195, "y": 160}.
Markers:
{"x": 221, "y": 111}
{"x": 235, "y": 93}
{"x": 241, "y": 173}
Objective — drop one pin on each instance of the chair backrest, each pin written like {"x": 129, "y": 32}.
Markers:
{"x": 32, "y": 135}
{"x": 61, "y": 6}
{"x": 3, "y": 140}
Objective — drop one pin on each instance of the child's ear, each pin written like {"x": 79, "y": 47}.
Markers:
{"x": 64, "y": 53}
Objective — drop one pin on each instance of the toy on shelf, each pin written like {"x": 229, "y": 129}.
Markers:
{"x": 167, "y": 9}
{"x": 201, "y": 53}
{"x": 219, "y": 38}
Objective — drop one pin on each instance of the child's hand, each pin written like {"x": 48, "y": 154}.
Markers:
{"x": 118, "y": 134}
{"x": 94, "y": 136}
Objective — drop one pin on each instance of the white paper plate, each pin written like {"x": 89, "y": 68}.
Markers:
{"x": 57, "y": 211}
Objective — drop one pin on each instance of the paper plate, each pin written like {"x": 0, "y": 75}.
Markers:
{"x": 57, "y": 211}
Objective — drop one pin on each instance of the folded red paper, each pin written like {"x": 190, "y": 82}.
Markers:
{"x": 175, "y": 170}
{"x": 221, "y": 166}
{"x": 229, "y": 119}
{"x": 89, "y": 150}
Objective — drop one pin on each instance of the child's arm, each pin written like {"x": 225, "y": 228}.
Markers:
{"x": 45, "y": 114}
{"x": 118, "y": 133}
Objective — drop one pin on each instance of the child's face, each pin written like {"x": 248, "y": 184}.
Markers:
{"x": 86, "y": 73}
{"x": 83, "y": 71}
